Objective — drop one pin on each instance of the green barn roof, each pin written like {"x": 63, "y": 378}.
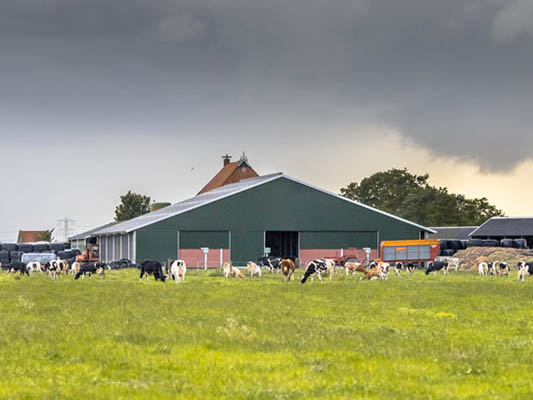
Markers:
{"x": 218, "y": 194}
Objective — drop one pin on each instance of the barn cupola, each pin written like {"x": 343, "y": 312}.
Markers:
{"x": 231, "y": 172}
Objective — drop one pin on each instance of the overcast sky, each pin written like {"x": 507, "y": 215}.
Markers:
{"x": 98, "y": 97}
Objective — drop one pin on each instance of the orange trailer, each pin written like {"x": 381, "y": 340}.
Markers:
{"x": 415, "y": 251}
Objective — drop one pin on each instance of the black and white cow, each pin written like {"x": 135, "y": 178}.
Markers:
{"x": 149, "y": 267}
{"x": 437, "y": 266}
{"x": 524, "y": 268}
{"x": 270, "y": 263}
{"x": 502, "y": 268}
{"x": 88, "y": 269}
{"x": 315, "y": 267}
{"x": 18, "y": 267}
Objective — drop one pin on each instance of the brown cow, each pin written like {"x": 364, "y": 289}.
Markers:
{"x": 353, "y": 267}
{"x": 287, "y": 269}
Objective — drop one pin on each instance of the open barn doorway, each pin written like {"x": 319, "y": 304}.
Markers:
{"x": 282, "y": 244}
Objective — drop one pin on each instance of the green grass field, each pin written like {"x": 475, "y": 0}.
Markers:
{"x": 412, "y": 337}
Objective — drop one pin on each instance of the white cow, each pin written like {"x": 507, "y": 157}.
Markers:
{"x": 178, "y": 270}
{"x": 253, "y": 269}
{"x": 33, "y": 267}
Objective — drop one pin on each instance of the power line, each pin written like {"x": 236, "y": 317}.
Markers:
{"x": 65, "y": 229}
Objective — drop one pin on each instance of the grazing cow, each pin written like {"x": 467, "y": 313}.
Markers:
{"x": 53, "y": 269}
{"x": 287, "y": 268}
{"x": 253, "y": 269}
{"x": 33, "y": 267}
{"x": 271, "y": 263}
{"x": 88, "y": 269}
{"x": 437, "y": 266}
{"x": 524, "y": 268}
{"x": 398, "y": 267}
{"x": 231, "y": 271}
{"x": 330, "y": 265}
{"x": 483, "y": 268}
{"x": 18, "y": 267}
{"x": 315, "y": 267}
{"x": 354, "y": 267}
{"x": 453, "y": 262}
{"x": 177, "y": 271}
{"x": 149, "y": 267}
{"x": 410, "y": 267}
{"x": 76, "y": 266}
{"x": 502, "y": 268}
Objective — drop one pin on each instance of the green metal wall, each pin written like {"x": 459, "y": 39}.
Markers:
{"x": 280, "y": 205}
{"x": 156, "y": 245}
{"x": 337, "y": 240}
{"x": 199, "y": 239}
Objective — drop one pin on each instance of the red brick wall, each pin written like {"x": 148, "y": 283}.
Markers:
{"x": 195, "y": 257}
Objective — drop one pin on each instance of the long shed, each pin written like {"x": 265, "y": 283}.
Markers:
{"x": 237, "y": 222}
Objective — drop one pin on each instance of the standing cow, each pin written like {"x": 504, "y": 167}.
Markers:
{"x": 177, "y": 271}
{"x": 315, "y": 267}
{"x": 271, "y": 263}
{"x": 524, "y": 269}
{"x": 287, "y": 268}
{"x": 18, "y": 267}
{"x": 88, "y": 269}
{"x": 437, "y": 266}
{"x": 253, "y": 269}
{"x": 150, "y": 267}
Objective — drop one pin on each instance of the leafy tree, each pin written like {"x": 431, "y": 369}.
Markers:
{"x": 45, "y": 236}
{"x": 132, "y": 205}
{"x": 410, "y": 196}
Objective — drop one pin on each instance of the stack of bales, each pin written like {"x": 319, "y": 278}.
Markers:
{"x": 12, "y": 252}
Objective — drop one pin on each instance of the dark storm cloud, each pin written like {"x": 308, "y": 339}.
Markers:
{"x": 453, "y": 76}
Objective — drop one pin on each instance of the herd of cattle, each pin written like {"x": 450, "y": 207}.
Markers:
{"x": 176, "y": 269}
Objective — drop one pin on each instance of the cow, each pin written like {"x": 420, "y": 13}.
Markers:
{"x": 372, "y": 274}
{"x": 53, "y": 269}
{"x": 398, "y": 267}
{"x": 453, "y": 262}
{"x": 88, "y": 269}
{"x": 33, "y": 267}
{"x": 231, "y": 271}
{"x": 287, "y": 268}
{"x": 524, "y": 268}
{"x": 271, "y": 263}
{"x": 177, "y": 271}
{"x": 437, "y": 266}
{"x": 150, "y": 267}
{"x": 18, "y": 267}
{"x": 315, "y": 267}
{"x": 253, "y": 269}
{"x": 353, "y": 267}
{"x": 483, "y": 268}
{"x": 330, "y": 265}
{"x": 75, "y": 268}
{"x": 410, "y": 267}
{"x": 502, "y": 268}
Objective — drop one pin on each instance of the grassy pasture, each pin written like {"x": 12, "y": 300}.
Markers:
{"x": 412, "y": 337}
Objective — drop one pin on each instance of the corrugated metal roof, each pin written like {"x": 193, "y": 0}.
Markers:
{"x": 452, "y": 232}
{"x": 218, "y": 194}
{"x": 88, "y": 234}
{"x": 505, "y": 226}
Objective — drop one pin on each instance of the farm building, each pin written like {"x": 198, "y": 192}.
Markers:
{"x": 237, "y": 221}
{"x": 29, "y": 236}
{"x": 499, "y": 228}
{"x": 452, "y": 232}
{"x": 81, "y": 240}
